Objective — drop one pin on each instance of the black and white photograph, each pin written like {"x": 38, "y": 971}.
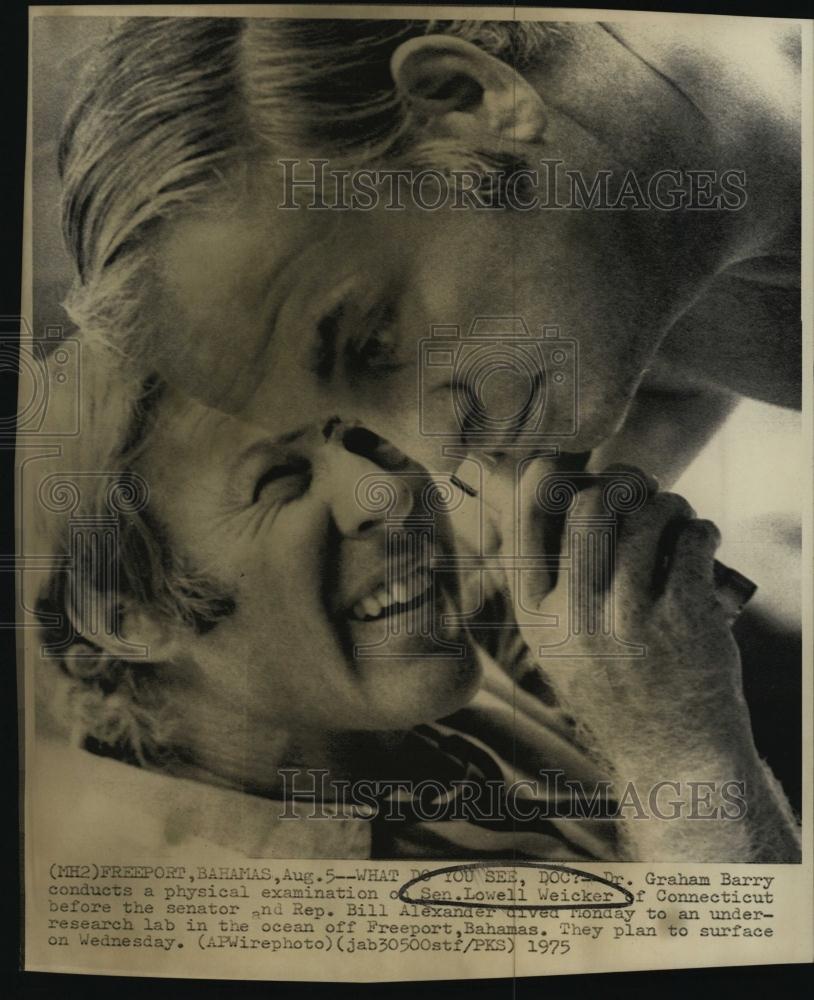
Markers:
{"x": 413, "y": 467}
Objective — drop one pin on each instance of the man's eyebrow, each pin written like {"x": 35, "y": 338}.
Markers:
{"x": 324, "y": 353}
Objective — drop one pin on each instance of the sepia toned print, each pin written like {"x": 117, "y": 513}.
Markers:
{"x": 420, "y": 477}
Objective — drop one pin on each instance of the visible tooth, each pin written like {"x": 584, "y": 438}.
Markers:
{"x": 400, "y": 592}
{"x": 371, "y": 606}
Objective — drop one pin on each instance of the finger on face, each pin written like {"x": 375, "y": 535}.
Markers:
{"x": 568, "y": 513}
{"x": 646, "y": 542}
{"x": 625, "y": 473}
{"x": 614, "y": 493}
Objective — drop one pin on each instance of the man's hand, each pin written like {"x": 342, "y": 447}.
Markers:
{"x": 674, "y": 709}
{"x": 652, "y": 587}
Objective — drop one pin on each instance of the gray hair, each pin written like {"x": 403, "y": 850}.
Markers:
{"x": 173, "y": 106}
{"x": 101, "y": 695}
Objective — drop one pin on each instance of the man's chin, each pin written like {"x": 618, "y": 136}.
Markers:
{"x": 420, "y": 685}
{"x": 420, "y": 664}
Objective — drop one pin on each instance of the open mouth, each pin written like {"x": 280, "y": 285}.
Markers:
{"x": 395, "y": 598}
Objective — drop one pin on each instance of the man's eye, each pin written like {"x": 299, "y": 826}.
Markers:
{"x": 289, "y": 480}
{"x": 377, "y": 351}
{"x": 377, "y": 348}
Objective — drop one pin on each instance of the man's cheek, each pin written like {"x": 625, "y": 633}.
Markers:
{"x": 606, "y": 383}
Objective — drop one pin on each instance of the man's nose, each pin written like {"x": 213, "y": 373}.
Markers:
{"x": 362, "y": 495}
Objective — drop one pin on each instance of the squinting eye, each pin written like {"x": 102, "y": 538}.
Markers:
{"x": 378, "y": 349}
{"x": 291, "y": 479}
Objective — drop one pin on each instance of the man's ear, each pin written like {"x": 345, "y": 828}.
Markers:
{"x": 463, "y": 92}
{"x": 140, "y": 627}
{"x": 137, "y": 631}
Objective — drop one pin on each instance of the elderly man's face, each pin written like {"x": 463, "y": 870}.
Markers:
{"x": 338, "y": 622}
{"x": 291, "y": 318}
